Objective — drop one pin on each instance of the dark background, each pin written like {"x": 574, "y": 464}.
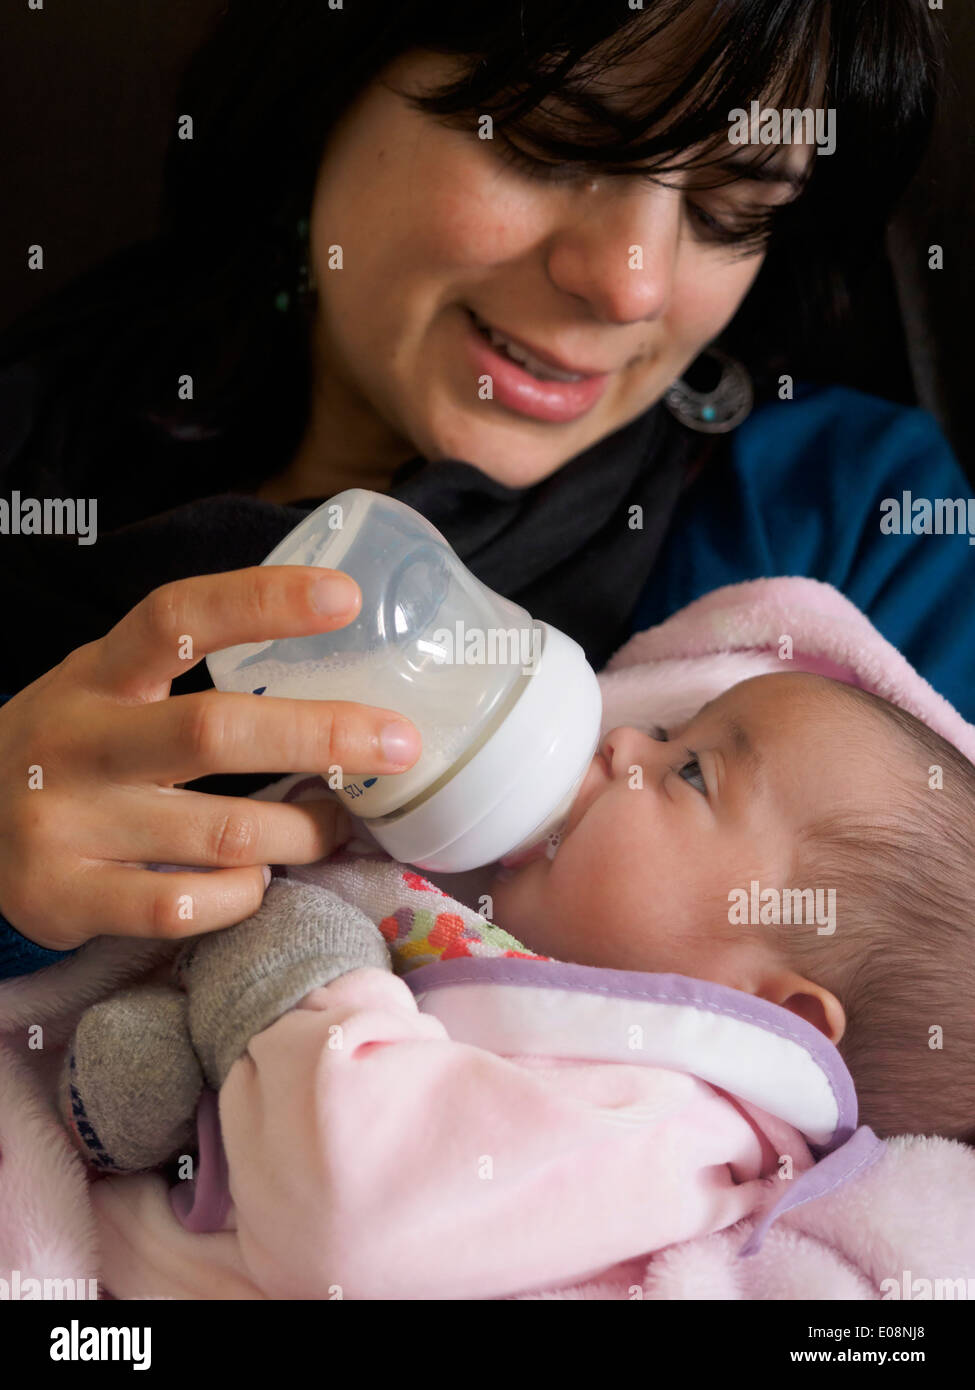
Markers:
{"x": 87, "y": 107}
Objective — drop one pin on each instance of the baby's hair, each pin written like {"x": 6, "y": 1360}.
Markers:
{"x": 902, "y": 959}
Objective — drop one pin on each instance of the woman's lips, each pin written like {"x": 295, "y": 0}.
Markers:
{"x": 519, "y": 390}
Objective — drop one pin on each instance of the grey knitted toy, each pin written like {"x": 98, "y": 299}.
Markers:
{"x": 138, "y": 1061}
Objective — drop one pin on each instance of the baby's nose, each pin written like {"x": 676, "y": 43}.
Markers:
{"x": 625, "y": 746}
{"x": 611, "y": 743}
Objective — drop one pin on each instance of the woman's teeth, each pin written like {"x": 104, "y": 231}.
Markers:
{"x": 523, "y": 357}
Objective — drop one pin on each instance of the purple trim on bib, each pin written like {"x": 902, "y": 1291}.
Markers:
{"x": 657, "y": 989}
{"x": 201, "y": 1205}
{"x": 859, "y": 1152}
{"x": 850, "y": 1150}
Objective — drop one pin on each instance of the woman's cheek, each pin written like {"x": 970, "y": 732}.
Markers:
{"x": 473, "y": 218}
{"x": 710, "y": 290}
{"x": 467, "y": 237}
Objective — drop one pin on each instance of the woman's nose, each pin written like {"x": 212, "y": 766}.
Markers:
{"x": 620, "y": 255}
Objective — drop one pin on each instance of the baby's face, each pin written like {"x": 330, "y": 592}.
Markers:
{"x": 662, "y": 831}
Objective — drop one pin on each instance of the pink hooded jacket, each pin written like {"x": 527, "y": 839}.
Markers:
{"x": 490, "y": 1127}
{"x": 549, "y": 1123}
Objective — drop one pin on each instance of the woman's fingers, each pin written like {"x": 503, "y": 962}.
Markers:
{"x": 156, "y": 826}
{"x": 122, "y": 900}
{"x": 111, "y": 743}
{"x": 190, "y": 736}
{"x": 179, "y": 623}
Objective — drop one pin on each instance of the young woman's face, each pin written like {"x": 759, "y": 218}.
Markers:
{"x": 435, "y": 226}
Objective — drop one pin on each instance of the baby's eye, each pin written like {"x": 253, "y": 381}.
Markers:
{"x": 691, "y": 772}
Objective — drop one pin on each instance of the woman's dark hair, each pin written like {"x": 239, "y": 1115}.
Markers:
{"x": 268, "y": 85}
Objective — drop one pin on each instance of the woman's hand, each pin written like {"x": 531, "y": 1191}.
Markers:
{"x": 91, "y": 755}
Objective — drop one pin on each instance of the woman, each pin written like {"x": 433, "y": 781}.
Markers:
{"x": 460, "y": 255}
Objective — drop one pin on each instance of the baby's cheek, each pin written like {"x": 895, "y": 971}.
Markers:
{"x": 537, "y": 905}
{"x": 515, "y": 902}
{"x": 586, "y": 903}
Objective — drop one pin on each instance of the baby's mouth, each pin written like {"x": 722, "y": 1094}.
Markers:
{"x": 561, "y": 822}
{"x": 597, "y": 778}
{"x": 512, "y": 862}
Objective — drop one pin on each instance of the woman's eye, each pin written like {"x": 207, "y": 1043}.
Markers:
{"x": 691, "y": 772}
{"x": 748, "y": 233}
{"x": 708, "y": 221}
{"x": 543, "y": 170}
{"x": 751, "y": 233}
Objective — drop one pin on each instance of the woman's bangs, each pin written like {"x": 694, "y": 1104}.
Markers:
{"x": 663, "y": 85}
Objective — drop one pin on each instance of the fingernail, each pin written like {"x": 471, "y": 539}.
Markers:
{"x": 266, "y": 871}
{"x": 333, "y": 595}
{"x": 400, "y": 743}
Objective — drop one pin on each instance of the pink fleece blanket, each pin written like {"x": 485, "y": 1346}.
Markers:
{"x": 905, "y": 1228}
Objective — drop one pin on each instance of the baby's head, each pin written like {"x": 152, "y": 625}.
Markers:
{"x": 802, "y": 841}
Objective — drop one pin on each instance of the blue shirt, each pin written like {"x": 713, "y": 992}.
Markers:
{"x": 801, "y": 494}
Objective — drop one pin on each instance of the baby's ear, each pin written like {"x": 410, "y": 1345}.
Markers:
{"x": 810, "y": 1001}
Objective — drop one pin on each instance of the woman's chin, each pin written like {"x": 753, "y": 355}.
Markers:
{"x": 504, "y": 447}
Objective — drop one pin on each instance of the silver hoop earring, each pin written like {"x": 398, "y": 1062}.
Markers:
{"x": 722, "y": 408}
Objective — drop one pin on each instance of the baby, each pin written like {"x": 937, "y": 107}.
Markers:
{"x": 791, "y": 782}
{"x": 687, "y": 853}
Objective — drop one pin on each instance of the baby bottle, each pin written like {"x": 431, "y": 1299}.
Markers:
{"x": 508, "y": 708}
